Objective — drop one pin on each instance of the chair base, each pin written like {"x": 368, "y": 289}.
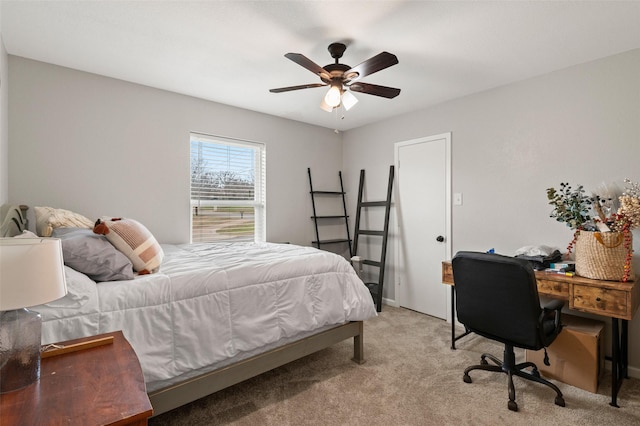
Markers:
{"x": 510, "y": 368}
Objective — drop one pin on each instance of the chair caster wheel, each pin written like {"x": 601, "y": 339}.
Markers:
{"x": 535, "y": 373}
{"x": 483, "y": 362}
{"x": 559, "y": 401}
{"x": 466, "y": 378}
{"x": 512, "y": 405}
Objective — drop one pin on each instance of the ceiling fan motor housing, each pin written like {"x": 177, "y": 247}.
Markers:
{"x": 336, "y": 71}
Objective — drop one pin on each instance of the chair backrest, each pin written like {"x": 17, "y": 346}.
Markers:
{"x": 497, "y": 297}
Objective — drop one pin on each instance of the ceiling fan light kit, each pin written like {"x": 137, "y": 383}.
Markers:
{"x": 325, "y": 106}
{"x": 342, "y": 78}
{"x": 332, "y": 98}
{"x": 348, "y": 100}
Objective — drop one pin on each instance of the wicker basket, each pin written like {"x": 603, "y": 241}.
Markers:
{"x": 601, "y": 255}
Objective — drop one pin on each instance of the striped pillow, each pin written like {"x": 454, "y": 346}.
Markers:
{"x": 134, "y": 240}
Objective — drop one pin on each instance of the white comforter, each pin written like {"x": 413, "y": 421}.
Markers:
{"x": 212, "y": 302}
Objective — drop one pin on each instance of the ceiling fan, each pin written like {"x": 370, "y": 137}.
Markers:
{"x": 342, "y": 77}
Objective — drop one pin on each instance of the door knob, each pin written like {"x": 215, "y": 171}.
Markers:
{"x": 439, "y": 238}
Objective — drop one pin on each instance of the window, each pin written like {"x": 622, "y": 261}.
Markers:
{"x": 227, "y": 189}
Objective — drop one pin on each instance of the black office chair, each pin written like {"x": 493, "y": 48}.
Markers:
{"x": 497, "y": 297}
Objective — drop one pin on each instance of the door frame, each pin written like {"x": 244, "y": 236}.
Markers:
{"x": 448, "y": 229}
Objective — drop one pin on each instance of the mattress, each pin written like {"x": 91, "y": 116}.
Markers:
{"x": 211, "y": 304}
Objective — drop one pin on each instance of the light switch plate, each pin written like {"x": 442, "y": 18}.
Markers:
{"x": 457, "y": 199}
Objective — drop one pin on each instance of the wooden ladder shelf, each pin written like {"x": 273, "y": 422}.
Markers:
{"x": 322, "y": 218}
{"x": 374, "y": 287}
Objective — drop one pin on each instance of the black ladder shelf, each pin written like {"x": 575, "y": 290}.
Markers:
{"x": 374, "y": 288}
{"x": 318, "y": 242}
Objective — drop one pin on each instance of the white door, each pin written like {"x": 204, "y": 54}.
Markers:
{"x": 422, "y": 206}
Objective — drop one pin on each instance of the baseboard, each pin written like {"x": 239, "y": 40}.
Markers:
{"x": 632, "y": 371}
{"x": 390, "y": 302}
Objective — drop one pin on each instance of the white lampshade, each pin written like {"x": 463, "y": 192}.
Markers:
{"x": 31, "y": 272}
{"x": 325, "y": 106}
{"x": 332, "y": 98}
{"x": 348, "y": 100}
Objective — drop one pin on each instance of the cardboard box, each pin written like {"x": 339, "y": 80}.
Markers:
{"x": 577, "y": 354}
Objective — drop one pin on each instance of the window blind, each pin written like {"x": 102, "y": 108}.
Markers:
{"x": 227, "y": 189}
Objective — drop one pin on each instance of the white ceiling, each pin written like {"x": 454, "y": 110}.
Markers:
{"x": 232, "y": 52}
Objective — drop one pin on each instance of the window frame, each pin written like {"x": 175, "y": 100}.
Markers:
{"x": 259, "y": 187}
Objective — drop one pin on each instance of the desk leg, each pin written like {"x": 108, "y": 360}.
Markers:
{"x": 619, "y": 357}
{"x": 453, "y": 321}
{"x": 615, "y": 359}
{"x": 625, "y": 348}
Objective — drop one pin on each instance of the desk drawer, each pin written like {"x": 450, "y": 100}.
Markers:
{"x": 557, "y": 289}
{"x": 447, "y": 273}
{"x": 600, "y": 301}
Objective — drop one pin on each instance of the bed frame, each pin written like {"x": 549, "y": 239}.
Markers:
{"x": 14, "y": 219}
{"x": 182, "y": 393}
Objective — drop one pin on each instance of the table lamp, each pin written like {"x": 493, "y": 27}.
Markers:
{"x": 31, "y": 273}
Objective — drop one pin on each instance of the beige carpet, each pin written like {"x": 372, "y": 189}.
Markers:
{"x": 411, "y": 377}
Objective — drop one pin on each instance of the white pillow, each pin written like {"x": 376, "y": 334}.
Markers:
{"x": 26, "y": 234}
{"x": 48, "y": 218}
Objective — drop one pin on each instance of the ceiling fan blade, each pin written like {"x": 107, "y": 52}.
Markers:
{"x": 290, "y": 88}
{"x": 308, "y": 64}
{"x": 374, "y": 89}
{"x": 379, "y": 62}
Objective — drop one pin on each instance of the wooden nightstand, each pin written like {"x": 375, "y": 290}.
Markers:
{"x": 102, "y": 385}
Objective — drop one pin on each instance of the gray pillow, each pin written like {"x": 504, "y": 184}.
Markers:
{"x": 93, "y": 255}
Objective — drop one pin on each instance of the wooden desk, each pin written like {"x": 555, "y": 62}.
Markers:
{"x": 97, "y": 386}
{"x": 613, "y": 299}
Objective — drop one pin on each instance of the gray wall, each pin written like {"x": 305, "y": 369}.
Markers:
{"x": 509, "y": 144}
{"x": 100, "y": 146}
{"x": 4, "y": 123}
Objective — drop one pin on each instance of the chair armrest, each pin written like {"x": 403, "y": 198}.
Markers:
{"x": 556, "y": 306}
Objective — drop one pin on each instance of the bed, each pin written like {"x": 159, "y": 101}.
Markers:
{"x": 217, "y": 314}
